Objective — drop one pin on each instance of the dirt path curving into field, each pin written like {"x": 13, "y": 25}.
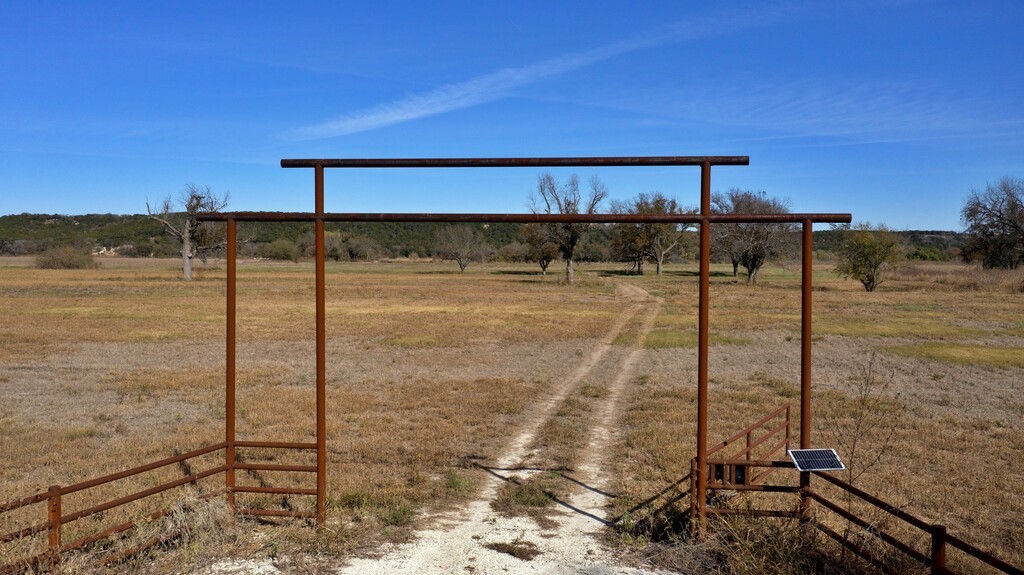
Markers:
{"x": 478, "y": 539}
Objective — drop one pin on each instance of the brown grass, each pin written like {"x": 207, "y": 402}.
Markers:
{"x": 103, "y": 369}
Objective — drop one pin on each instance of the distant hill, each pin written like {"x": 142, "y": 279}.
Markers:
{"x": 922, "y": 244}
{"x": 137, "y": 235}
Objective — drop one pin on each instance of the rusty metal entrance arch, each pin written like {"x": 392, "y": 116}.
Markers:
{"x": 704, "y": 219}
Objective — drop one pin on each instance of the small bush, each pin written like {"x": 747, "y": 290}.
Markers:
{"x": 281, "y": 249}
{"x": 65, "y": 258}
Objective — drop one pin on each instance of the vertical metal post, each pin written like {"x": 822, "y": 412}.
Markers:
{"x": 693, "y": 489}
{"x": 702, "y": 344}
{"x": 229, "y": 383}
{"x": 53, "y": 518}
{"x": 321, "y": 355}
{"x": 788, "y": 426}
{"x": 938, "y": 566}
{"x": 805, "y": 358}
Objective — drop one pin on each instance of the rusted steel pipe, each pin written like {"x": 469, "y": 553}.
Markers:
{"x": 870, "y": 527}
{"x": 806, "y": 292}
{"x": 276, "y": 513}
{"x": 321, "y": 353}
{"x": 53, "y": 516}
{"x": 702, "y": 344}
{"x": 890, "y": 509}
{"x": 938, "y": 550}
{"x": 274, "y": 490}
{"x": 37, "y": 528}
{"x": 523, "y": 218}
{"x": 85, "y": 541}
{"x": 786, "y": 464}
{"x": 275, "y": 467}
{"x": 982, "y": 556}
{"x": 750, "y": 512}
{"x": 143, "y": 494}
{"x": 857, "y": 549}
{"x": 759, "y": 488}
{"x": 276, "y": 444}
{"x": 141, "y": 469}
{"x": 229, "y": 372}
{"x": 516, "y": 162}
{"x": 778, "y": 411}
{"x": 18, "y": 503}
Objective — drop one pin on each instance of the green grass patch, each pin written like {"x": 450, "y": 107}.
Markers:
{"x": 893, "y": 326}
{"x": 965, "y": 354}
{"x": 526, "y": 496}
{"x": 673, "y": 338}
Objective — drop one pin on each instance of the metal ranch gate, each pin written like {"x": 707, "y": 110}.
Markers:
{"x": 724, "y": 473}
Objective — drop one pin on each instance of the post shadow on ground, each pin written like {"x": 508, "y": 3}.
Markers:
{"x": 613, "y": 522}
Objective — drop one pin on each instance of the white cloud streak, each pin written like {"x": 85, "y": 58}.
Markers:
{"x": 499, "y": 84}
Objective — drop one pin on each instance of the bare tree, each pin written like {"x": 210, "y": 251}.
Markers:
{"x": 994, "y": 219}
{"x": 552, "y": 198}
{"x": 462, "y": 244}
{"x": 867, "y": 253}
{"x": 196, "y": 239}
{"x": 539, "y": 247}
{"x": 750, "y": 244}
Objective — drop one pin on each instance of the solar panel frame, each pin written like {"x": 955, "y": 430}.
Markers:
{"x": 816, "y": 459}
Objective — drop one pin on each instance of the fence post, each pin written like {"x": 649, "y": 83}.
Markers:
{"x": 749, "y": 454}
{"x": 53, "y": 518}
{"x": 938, "y": 549}
{"x": 693, "y": 492}
{"x": 788, "y": 425}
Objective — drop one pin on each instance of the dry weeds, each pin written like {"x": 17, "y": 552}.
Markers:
{"x": 102, "y": 369}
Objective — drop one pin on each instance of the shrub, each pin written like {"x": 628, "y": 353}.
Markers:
{"x": 925, "y": 254}
{"x": 65, "y": 258}
{"x": 281, "y": 249}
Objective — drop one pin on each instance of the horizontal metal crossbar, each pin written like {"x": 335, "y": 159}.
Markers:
{"x": 525, "y": 218}
{"x": 517, "y": 162}
{"x": 873, "y": 529}
{"x": 274, "y": 444}
{"x": 273, "y": 490}
{"x": 142, "y": 494}
{"x": 275, "y": 467}
{"x": 276, "y": 513}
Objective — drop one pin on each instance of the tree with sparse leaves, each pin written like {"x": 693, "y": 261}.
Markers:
{"x": 994, "y": 219}
{"x": 539, "y": 247}
{"x": 553, "y": 198}
{"x": 867, "y": 253}
{"x": 461, "y": 244}
{"x": 750, "y": 244}
{"x": 648, "y": 241}
{"x": 197, "y": 239}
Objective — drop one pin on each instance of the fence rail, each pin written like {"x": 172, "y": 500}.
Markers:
{"x": 723, "y": 472}
{"x": 940, "y": 539}
{"x": 57, "y": 520}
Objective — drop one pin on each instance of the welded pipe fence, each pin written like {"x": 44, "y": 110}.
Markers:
{"x": 703, "y": 473}
{"x": 20, "y": 548}
{"x": 851, "y": 525}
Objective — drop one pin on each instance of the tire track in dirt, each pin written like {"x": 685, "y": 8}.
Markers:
{"x": 591, "y": 471}
{"x": 459, "y": 542}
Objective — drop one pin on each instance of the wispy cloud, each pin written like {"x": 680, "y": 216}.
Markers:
{"x": 501, "y": 83}
{"x": 868, "y": 110}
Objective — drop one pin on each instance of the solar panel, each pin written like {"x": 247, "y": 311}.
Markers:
{"x": 816, "y": 459}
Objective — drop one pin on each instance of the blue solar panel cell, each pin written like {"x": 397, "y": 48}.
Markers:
{"x": 816, "y": 459}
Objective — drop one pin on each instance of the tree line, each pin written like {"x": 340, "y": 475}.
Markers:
{"x": 993, "y": 218}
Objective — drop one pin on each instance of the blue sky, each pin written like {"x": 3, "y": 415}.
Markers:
{"x": 890, "y": 110}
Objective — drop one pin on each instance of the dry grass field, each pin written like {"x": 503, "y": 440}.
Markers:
{"x": 430, "y": 371}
